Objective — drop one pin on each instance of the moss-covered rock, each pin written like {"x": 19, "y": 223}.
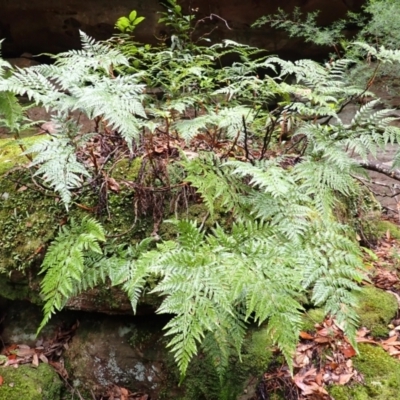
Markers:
{"x": 312, "y": 317}
{"x": 376, "y": 309}
{"x": 381, "y": 373}
{"x": 384, "y": 226}
{"x": 29, "y": 383}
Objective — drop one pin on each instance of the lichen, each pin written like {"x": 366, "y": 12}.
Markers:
{"x": 27, "y": 382}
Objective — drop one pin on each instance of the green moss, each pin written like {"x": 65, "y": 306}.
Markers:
{"x": 381, "y": 373}
{"x": 127, "y": 170}
{"x": 376, "y": 309}
{"x": 312, "y": 317}
{"x": 383, "y": 226}
{"x": 27, "y": 382}
{"x": 11, "y": 152}
{"x": 19, "y": 287}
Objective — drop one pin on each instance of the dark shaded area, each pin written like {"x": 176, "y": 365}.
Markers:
{"x": 38, "y": 26}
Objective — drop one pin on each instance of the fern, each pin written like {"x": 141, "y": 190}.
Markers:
{"x": 64, "y": 263}
{"x": 57, "y": 161}
{"x": 83, "y": 80}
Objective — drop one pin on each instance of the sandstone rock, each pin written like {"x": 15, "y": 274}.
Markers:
{"x": 39, "y": 26}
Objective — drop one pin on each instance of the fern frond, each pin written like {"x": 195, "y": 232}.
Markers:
{"x": 64, "y": 264}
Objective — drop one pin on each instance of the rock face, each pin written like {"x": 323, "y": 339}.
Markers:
{"x": 53, "y": 26}
{"x": 123, "y": 350}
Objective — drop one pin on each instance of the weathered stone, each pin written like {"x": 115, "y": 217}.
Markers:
{"x": 131, "y": 352}
{"x": 53, "y": 26}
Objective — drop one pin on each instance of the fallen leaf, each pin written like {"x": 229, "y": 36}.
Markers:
{"x": 305, "y": 335}
{"x": 348, "y": 352}
{"x": 345, "y": 378}
{"x": 43, "y": 358}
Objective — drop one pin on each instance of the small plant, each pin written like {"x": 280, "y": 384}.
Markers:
{"x": 128, "y": 24}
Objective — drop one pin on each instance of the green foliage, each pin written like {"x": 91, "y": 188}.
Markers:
{"x": 273, "y": 156}
{"x": 64, "y": 264}
{"x": 307, "y": 27}
{"x": 128, "y": 24}
{"x": 82, "y": 81}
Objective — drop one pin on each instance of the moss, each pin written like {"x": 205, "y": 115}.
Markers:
{"x": 381, "y": 373}
{"x": 376, "y": 309}
{"x": 11, "y": 152}
{"x": 27, "y": 382}
{"x": 127, "y": 170}
{"x": 383, "y": 226}
{"x": 19, "y": 287}
{"x": 312, "y": 317}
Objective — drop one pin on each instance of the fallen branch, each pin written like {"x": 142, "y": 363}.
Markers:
{"x": 381, "y": 168}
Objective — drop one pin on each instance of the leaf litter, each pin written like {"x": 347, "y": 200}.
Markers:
{"x": 325, "y": 357}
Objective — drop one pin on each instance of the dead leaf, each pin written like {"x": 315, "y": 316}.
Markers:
{"x": 35, "y": 360}
{"x": 1, "y": 380}
{"x": 305, "y": 335}
{"x": 113, "y": 185}
{"x": 348, "y": 352}
{"x": 25, "y": 352}
{"x": 391, "y": 341}
{"x": 345, "y": 378}
{"x": 43, "y": 358}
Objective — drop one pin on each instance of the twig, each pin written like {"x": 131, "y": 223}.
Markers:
{"x": 246, "y": 148}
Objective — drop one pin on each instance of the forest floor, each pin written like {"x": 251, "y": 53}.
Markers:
{"x": 325, "y": 358}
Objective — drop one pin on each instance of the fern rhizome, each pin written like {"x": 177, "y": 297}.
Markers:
{"x": 272, "y": 157}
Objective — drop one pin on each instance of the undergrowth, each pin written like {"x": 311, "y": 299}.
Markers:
{"x": 174, "y": 127}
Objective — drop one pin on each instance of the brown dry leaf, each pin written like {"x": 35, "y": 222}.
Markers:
{"x": 113, "y": 185}
{"x": 124, "y": 394}
{"x": 43, "y": 358}
{"x": 392, "y": 341}
{"x": 319, "y": 378}
{"x": 59, "y": 368}
{"x": 1, "y": 380}
{"x": 345, "y": 378}
{"x": 301, "y": 360}
{"x": 362, "y": 332}
{"x": 365, "y": 340}
{"x": 305, "y": 335}
{"x": 23, "y": 352}
{"x": 348, "y": 352}
{"x": 323, "y": 339}
{"x": 393, "y": 351}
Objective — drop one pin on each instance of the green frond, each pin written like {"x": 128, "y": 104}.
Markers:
{"x": 64, "y": 264}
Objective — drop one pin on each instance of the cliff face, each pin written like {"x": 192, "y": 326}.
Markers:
{"x": 38, "y": 26}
